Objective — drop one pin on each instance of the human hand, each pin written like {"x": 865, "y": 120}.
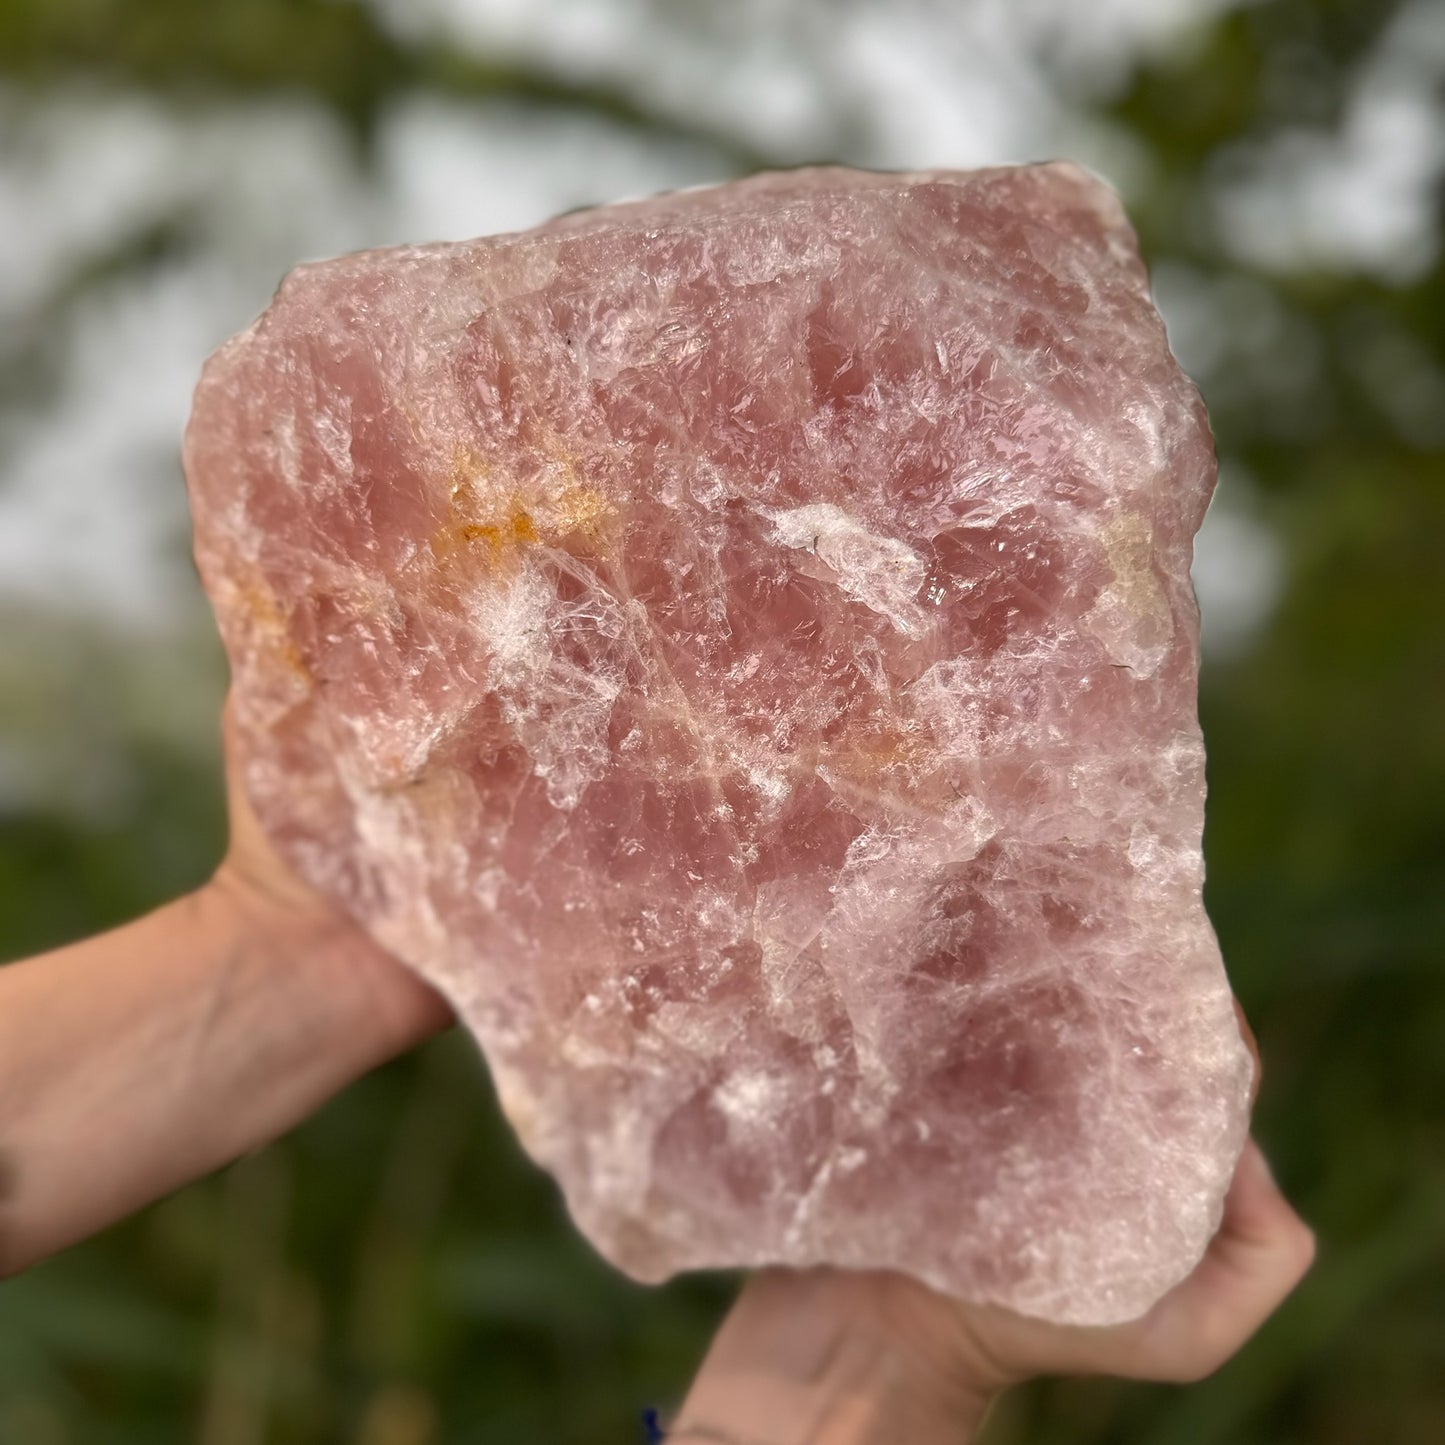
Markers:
{"x": 147, "y": 1056}
{"x": 839, "y": 1358}
{"x": 277, "y": 905}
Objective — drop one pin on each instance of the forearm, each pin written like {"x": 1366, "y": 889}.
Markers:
{"x": 805, "y": 1360}
{"x": 136, "y": 1061}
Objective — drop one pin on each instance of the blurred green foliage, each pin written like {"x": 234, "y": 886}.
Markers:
{"x": 329, "y": 50}
{"x": 394, "y": 1273}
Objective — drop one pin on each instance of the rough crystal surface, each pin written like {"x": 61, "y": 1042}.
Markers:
{"x": 739, "y": 645}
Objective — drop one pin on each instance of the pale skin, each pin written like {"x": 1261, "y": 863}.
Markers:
{"x": 134, "y": 1062}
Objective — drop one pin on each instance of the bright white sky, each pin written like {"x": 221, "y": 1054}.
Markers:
{"x": 92, "y": 513}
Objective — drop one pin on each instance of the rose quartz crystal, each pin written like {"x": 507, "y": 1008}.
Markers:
{"x": 739, "y": 646}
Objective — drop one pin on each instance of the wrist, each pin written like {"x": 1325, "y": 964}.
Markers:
{"x": 331, "y": 965}
{"x": 288, "y": 1021}
{"x": 829, "y": 1357}
{"x": 290, "y": 1002}
{"x": 142, "y": 1058}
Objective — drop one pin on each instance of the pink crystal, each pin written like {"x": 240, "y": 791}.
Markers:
{"x": 739, "y": 646}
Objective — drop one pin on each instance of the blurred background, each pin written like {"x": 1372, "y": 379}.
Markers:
{"x": 394, "y": 1273}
